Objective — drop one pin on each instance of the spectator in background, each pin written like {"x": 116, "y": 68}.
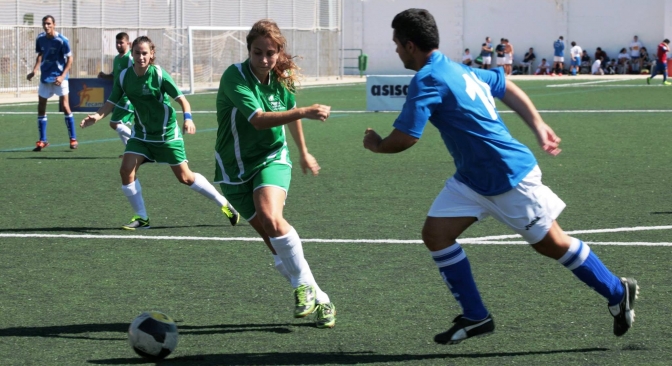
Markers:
{"x": 486, "y": 53}
{"x": 466, "y": 58}
{"x": 528, "y": 59}
{"x": 623, "y": 61}
{"x": 635, "y": 54}
{"x": 543, "y": 68}
{"x": 558, "y": 56}
{"x": 645, "y": 59}
{"x": 499, "y": 51}
{"x": 575, "y": 54}
{"x": 585, "y": 62}
{"x": 596, "y": 68}
{"x": 661, "y": 62}
{"x": 508, "y": 56}
{"x": 601, "y": 55}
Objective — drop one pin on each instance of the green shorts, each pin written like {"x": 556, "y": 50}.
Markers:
{"x": 122, "y": 115}
{"x": 241, "y": 196}
{"x": 171, "y": 152}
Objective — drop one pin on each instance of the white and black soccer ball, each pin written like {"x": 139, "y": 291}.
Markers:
{"x": 153, "y": 335}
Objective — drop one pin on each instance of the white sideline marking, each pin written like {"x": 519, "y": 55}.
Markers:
{"x": 591, "y": 83}
{"x": 486, "y": 240}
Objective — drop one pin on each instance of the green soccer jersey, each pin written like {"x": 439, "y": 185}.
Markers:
{"x": 241, "y": 150}
{"x": 121, "y": 63}
{"x": 154, "y": 116}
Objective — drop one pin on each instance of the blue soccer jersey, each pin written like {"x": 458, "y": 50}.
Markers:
{"x": 55, "y": 52}
{"x": 458, "y": 101}
{"x": 559, "y": 48}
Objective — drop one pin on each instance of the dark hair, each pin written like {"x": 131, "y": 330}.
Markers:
{"x": 417, "y": 26}
{"x": 286, "y": 71}
{"x": 665, "y": 40}
{"x": 122, "y": 35}
{"x": 561, "y": 37}
{"x": 145, "y": 39}
{"x": 573, "y": 43}
{"x": 49, "y": 17}
{"x": 466, "y": 49}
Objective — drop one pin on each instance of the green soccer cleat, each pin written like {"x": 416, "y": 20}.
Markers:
{"x": 667, "y": 83}
{"x": 648, "y": 80}
{"x": 325, "y": 315}
{"x": 137, "y": 222}
{"x": 231, "y": 214}
{"x": 304, "y": 296}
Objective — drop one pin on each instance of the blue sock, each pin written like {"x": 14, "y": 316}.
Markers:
{"x": 42, "y": 127}
{"x": 456, "y": 272}
{"x": 588, "y": 268}
{"x": 70, "y": 123}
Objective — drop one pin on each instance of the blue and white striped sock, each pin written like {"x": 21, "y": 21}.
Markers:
{"x": 589, "y": 268}
{"x": 70, "y": 124}
{"x": 456, "y": 272}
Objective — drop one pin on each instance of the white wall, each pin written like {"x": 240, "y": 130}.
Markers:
{"x": 609, "y": 24}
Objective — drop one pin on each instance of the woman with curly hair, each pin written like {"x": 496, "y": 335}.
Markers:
{"x": 254, "y": 103}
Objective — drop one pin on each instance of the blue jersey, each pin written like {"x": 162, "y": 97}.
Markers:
{"x": 458, "y": 101}
{"x": 559, "y": 48}
{"x": 55, "y": 52}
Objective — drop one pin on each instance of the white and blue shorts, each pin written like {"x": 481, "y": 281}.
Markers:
{"x": 529, "y": 208}
{"x": 47, "y": 90}
{"x": 487, "y": 60}
{"x": 558, "y": 59}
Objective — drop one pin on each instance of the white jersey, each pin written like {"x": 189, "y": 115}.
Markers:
{"x": 576, "y": 51}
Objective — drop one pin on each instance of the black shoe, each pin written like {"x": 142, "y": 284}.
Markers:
{"x": 231, "y": 214}
{"x": 626, "y": 309}
{"x": 465, "y": 328}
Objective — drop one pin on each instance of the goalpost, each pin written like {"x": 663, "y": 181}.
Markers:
{"x": 212, "y": 49}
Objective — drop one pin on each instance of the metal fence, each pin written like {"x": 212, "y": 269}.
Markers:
{"x": 312, "y": 29}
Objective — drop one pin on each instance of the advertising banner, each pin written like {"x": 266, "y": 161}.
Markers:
{"x": 386, "y": 92}
{"x": 87, "y": 95}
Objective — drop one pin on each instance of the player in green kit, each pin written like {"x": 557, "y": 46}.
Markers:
{"x": 156, "y": 135}
{"x": 123, "y": 112}
{"x": 254, "y": 103}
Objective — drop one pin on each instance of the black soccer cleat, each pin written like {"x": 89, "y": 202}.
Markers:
{"x": 626, "y": 309}
{"x": 465, "y": 328}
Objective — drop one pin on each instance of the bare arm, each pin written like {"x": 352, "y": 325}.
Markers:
{"x": 396, "y": 142}
{"x": 307, "y": 160}
{"x": 188, "y": 126}
{"x": 103, "y": 111}
{"x": 38, "y": 61}
{"x": 265, "y": 120}
{"x": 519, "y": 102}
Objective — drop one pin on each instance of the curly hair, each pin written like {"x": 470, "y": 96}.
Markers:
{"x": 286, "y": 71}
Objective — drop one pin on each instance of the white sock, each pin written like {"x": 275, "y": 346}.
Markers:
{"x": 281, "y": 267}
{"x": 133, "y": 192}
{"x": 124, "y": 132}
{"x": 290, "y": 254}
{"x": 202, "y": 186}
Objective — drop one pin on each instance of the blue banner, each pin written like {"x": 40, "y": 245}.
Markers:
{"x": 87, "y": 95}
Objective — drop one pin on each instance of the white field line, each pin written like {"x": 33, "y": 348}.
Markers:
{"x": 492, "y": 240}
{"x": 583, "y": 83}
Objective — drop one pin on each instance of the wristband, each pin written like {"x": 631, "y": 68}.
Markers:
{"x": 187, "y": 115}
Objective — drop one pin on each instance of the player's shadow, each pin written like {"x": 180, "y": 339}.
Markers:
{"x": 88, "y": 230}
{"x": 65, "y": 158}
{"x": 316, "y": 358}
{"x": 662, "y": 213}
{"x": 94, "y": 331}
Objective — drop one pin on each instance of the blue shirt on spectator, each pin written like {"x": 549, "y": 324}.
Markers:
{"x": 559, "y": 47}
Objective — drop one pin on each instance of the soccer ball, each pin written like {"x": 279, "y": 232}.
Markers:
{"x": 153, "y": 335}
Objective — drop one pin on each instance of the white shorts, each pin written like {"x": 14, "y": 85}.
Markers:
{"x": 47, "y": 90}
{"x": 500, "y": 61}
{"x": 558, "y": 59}
{"x": 508, "y": 59}
{"x": 529, "y": 208}
{"x": 487, "y": 60}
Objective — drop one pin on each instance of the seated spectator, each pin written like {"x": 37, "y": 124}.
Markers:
{"x": 596, "y": 69}
{"x": 528, "y": 59}
{"x": 646, "y": 60}
{"x": 623, "y": 61}
{"x": 585, "y": 62}
{"x": 544, "y": 68}
{"x": 609, "y": 66}
{"x": 466, "y": 58}
{"x": 599, "y": 54}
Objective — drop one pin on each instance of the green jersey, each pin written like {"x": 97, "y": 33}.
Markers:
{"x": 154, "y": 116}
{"x": 241, "y": 150}
{"x": 121, "y": 63}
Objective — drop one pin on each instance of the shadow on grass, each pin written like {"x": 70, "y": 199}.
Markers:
{"x": 83, "y": 229}
{"x": 66, "y": 158}
{"x": 341, "y": 358}
{"x": 88, "y": 331}
{"x": 662, "y": 213}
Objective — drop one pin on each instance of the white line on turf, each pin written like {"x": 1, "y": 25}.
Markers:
{"x": 491, "y": 240}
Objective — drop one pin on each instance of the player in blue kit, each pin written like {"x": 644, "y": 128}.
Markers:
{"x": 54, "y": 59}
{"x": 495, "y": 174}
